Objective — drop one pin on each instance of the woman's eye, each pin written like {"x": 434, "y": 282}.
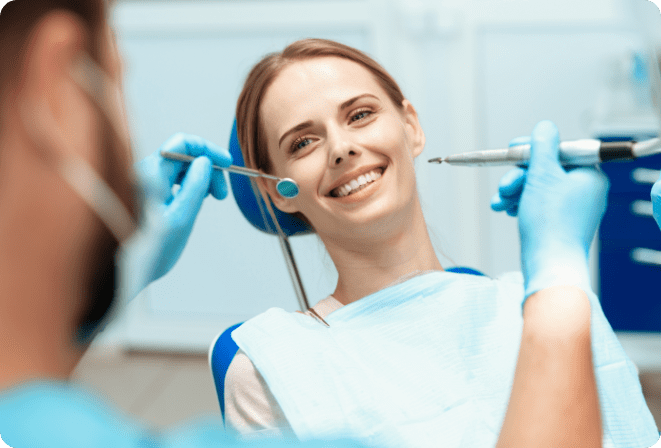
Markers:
{"x": 300, "y": 143}
{"x": 360, "y": 115}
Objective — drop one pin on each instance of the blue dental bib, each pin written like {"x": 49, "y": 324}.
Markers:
{"x": 426, "y": 363}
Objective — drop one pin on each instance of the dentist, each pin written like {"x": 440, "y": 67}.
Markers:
{"x": 68, "y": 203}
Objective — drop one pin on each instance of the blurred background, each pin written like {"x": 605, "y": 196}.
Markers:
{"x": 479, "y": 72}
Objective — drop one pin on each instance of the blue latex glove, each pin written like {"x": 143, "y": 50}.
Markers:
{"x": 656, "y": 200}
{"x": 168, "y": 218}
{"x": 559, "y": 210}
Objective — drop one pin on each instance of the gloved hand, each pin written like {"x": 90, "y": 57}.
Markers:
{"x": 656, "y": 200}
{"x": 559, "y": 210}
{"x": 167, "y": 218}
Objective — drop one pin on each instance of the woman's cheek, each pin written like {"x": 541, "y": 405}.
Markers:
{"x": 310, "y": 171}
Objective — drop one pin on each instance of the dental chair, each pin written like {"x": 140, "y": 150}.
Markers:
{"x": 253, "y": 208}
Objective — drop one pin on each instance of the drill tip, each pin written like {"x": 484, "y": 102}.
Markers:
{"x": 436, "y": 160}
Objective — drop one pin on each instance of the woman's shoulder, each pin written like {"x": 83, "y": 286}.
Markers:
{"x": 249, "y": 403}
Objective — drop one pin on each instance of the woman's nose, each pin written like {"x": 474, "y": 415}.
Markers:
{"x": 339, "y": 159}
{"x": 341, "y": 150}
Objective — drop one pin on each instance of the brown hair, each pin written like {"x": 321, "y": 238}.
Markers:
{"x": 248, "y": 121}
{"x": 17, "y": 20}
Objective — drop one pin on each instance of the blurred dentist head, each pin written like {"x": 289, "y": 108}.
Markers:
{"x": 63, "y": 149}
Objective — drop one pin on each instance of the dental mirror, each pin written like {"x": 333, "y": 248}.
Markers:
{"x": 287, "y": 188}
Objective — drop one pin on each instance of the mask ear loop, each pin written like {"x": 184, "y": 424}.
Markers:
{"x": 82, "y": 178}
{"x": 290, "y": 261}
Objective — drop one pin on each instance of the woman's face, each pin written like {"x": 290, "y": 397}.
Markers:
{"x": 333, "y": 129}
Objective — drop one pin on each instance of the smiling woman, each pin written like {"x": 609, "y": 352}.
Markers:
{"x": 412, "y": 354}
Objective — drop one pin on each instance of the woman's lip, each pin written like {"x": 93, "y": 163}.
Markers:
{"x": 362, "y": 194}
{"x": 354, "y": 175}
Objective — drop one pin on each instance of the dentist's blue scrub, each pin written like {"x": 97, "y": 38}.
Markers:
{"x": 62, "y": 415}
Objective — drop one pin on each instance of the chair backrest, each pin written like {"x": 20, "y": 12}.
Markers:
{"x": 224, "y": 348}
{"x": 221, "y": 353}
{"x": 254, "y": 208}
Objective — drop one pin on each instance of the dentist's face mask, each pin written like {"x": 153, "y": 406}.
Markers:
{"x": 93, "y": 188}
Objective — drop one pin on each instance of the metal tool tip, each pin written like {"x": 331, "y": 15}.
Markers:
{"x": 436, "y": 160}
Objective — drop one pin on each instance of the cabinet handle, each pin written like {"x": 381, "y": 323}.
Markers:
{"x": 646, "y": 256}
{"x": 645, "y": 175}
{"x": 642, "y": 208}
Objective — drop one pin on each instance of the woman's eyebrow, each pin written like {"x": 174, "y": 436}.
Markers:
{"x": 298, "y": 127}
{"x": 349, "y": 102}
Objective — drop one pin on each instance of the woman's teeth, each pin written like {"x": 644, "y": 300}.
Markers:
{"x": 357, "y": 184}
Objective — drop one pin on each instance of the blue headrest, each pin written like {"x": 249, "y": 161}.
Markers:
{"x": 247, "y": 201}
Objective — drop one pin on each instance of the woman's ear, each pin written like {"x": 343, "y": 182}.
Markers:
{"x": 286, "y": 205}
{"x": 413, "y": 128}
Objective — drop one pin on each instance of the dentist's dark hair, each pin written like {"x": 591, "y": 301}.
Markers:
{"x": 17, "y": 21}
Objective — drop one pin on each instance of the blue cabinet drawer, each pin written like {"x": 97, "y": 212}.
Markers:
{"x": 629, "y": 216}
{"x": 631, "y": 286}
{"x": 625, "y": 246}
{"x": 633, "y": 177}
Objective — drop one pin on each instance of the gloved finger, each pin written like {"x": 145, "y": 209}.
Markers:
{"x": 149, "y": 174}
{"x": 218, "y": 185}
{"x": 501, "y": 204}
{"x": 544, "y": 149}
{"x": 186, "y": 204}
{"x": 195, "y": 146}
{"x": 590, "y": 178}
{"x": 513, "y": 211}
{"x": 512, "y": 182}
{"x": 498, "y": 204}
{"x": 525, "y": 140}
{"x": 656, "y": 201}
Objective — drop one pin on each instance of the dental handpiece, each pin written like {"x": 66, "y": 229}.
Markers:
{"x": 287, "y": 188}
{"x": 576, "y": 152}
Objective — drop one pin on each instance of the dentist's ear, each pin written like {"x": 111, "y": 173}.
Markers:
{"x": 413, "y": 128}
{"x": 52, "y": 108}
{"x": 283, "y": 204}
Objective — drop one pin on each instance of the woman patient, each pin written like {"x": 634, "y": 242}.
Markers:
{"x": 402, "y": 353}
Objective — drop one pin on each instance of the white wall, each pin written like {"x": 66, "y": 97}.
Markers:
{"x": 479, "y": 72}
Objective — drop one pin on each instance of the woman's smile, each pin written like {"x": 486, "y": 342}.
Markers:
{"x": 355, "y": 181}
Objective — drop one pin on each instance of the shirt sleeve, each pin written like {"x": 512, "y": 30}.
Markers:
{"x": 251, "y": 410}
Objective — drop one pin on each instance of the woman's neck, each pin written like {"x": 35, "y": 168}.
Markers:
{"x": 370, "y": 265}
